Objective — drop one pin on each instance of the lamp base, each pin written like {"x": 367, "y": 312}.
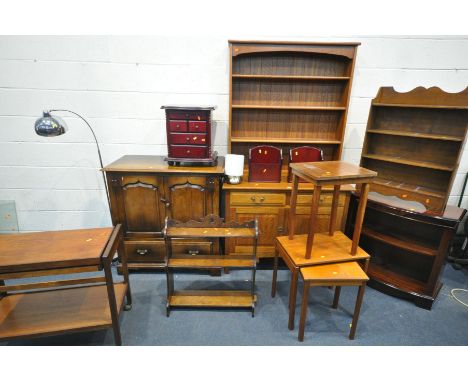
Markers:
{"x": 234, "y": 179}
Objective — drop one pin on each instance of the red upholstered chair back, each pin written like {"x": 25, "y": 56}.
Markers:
{"x": 265, "y": 154}
{"x": 304, "y": 154}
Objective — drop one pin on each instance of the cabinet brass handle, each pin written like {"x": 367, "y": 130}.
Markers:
{"x": 280, "y": 229}
{"x": 193, "y": 251}
{"x": 142, "y": 251}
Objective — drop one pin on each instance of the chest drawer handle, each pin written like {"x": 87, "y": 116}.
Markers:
{"x": 252, "y": 198}
{"x": 142, "y": 251}
{"x": 193, "y": 252}
{"x": 262, "y": 199}
{"x": 188, "y": 139}
{"x": 188, "y": 151}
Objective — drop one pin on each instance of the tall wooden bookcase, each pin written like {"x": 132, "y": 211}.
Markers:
{"x": 289, "y": 94}
{"x": 414, "y": 141}
{"x": 285, "y": 94}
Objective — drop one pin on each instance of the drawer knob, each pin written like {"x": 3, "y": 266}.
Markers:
{"x": 142, "y": 251}
{"x": 188, "y": 139}
{"x": 177, "y": 125}
{"x": 188, "y": 151}
{"x": 252, "y": 198}
{"x": 262, "y": 199}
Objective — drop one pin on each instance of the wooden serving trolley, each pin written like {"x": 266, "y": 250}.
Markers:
{"x": 68, "y": 305}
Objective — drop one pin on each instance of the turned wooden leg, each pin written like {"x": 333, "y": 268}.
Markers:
{"x": 336, "y": 297}
{"x": 312, "y": 220}
{"x": 292, "y": 298}
{"x": 305, "y": 300}
{"x": 357, "y": 310}
{"x": 292, "y": 209}
{"x": 359, "y": 217}
{"x": 275, "y": 273}
{"x": 334, "y": 210}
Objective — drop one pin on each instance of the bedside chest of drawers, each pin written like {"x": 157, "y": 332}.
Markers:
{"x": 190, "y": 135}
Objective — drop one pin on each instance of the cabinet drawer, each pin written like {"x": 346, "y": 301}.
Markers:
{"x": 250, "y": 198}
{"x": 325, "y": 199}
{"x": 193, "y": 115}
{"x": 177, "y": 126}
{"x": 187, "y": 139}
{"x": 187, "y": 152}
{"x": 197, "y": 126}
{"x": 145, "y": 251}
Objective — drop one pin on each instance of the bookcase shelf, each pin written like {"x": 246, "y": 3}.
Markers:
{"x": 288, "y": 140}
{"x": 289, "y": 107}
{"x": 291, "y": 77}
{"x": 408, "y": 162}
{"x": 416, "y": 135}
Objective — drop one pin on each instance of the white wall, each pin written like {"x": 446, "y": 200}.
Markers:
{"x": 119, "y": 84}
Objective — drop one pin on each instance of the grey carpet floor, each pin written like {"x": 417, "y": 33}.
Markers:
{"x": 384, "y": 320}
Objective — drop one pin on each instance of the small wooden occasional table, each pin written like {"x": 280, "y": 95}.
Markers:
{"x": 61, "y": 306}
{"x": 329, "y": 173}
{"x": 300, "y": 251}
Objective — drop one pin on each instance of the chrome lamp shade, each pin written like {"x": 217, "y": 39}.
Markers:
{"x": 50, "y": 126}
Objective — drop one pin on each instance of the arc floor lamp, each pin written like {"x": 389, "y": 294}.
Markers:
{"x": 53, "y": 126}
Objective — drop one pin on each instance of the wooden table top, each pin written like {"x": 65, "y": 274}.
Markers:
{"x": 349, "y": 271}
{"x": 326, "y": 249}
{"x": 332, "y": 172}
{"x": 53, "y": 249}
{"x": 156, "y": 163}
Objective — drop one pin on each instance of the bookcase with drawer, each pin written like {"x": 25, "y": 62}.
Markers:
{"x": 143, "y": 190}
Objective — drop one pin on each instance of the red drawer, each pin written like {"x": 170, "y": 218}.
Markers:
{"x": 177, "y": 126}
{"x": 187, "y": 152}
{"x": 193, "y": 115}
{"x": 188, "y": 139}
{"x": 197, "y": 126}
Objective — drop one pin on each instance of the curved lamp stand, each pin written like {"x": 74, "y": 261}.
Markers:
{"x": 52, "y": 126}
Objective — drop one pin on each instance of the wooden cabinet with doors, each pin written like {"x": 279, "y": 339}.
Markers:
{"x": 144, "y": 190}
{"x": 269, "y": 203}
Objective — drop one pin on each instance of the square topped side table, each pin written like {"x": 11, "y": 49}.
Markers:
{"x": 329, "y": 173}
{"x": 45, "y": 308}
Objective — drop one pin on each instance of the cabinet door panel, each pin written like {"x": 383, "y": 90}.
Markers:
{"x": 191, "y": 197}
{"x": 141, "y": 204}
{"x": 270, "y": 223}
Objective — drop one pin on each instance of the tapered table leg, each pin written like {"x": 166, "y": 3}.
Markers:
{"x": 357, "y": 310}
{"x": 305, "y": 300}
{"x": 292, "y": 298}
{"x": 292, "y": 210}
{"x": 359, "y": 217}
{"x": 313, "y": 220}
{"x": 334, "y": 210}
